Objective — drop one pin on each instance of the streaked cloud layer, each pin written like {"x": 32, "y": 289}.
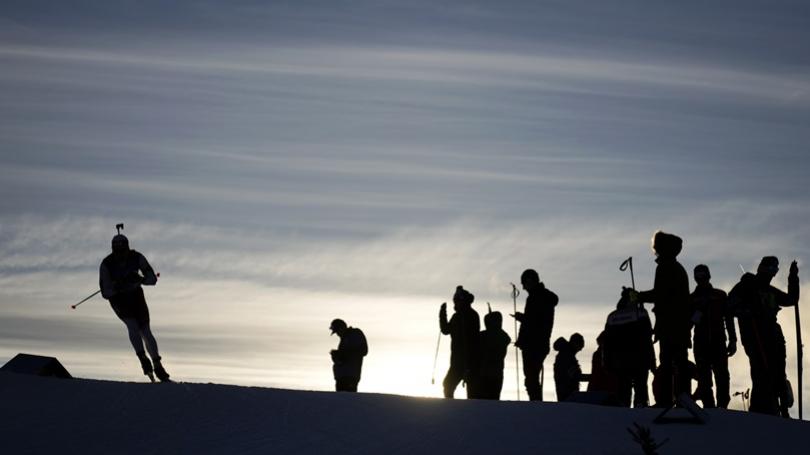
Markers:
{"x": 285, "y": 163}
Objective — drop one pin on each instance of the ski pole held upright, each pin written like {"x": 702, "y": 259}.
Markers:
{"x": 629, "y": 263}
{"x": 515, "y": 294}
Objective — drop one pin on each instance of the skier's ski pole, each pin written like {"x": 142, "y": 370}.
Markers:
{"x": 515, "y": 293}
{"x": 85, "y": 299}
{"x": 629, "y": 262}
{"x": 799, "y": 353}
{"x": 435, "y": 358}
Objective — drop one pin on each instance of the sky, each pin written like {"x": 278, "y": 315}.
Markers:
{"x": 285, "y": 163}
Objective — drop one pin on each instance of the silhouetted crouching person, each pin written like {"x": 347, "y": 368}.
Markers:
{"x": 629, "y": 353}
{"x": 567, "y": 372}
{"x": 494, "y": 344}
{"x": 121, "y": 275}
{"x": 534, "y": 337}
{"x": 712, "y": 319}
{"x": 670, "y": 296}
{"x": 347, "y": 359}
{"x": 463, "y": 329}
{"x": 756, "y": 303}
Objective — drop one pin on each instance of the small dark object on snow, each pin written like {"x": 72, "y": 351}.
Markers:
{"x": 37, "y": 365}
{"x": 643, "y": 437}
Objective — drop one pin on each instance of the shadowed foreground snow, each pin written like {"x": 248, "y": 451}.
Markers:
{"x": 43, "y": 415}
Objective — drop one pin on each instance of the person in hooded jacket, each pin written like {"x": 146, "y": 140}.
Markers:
{"x": 347, "y": 359}
{"x": 494, "y": 343}
{"x": 534, "y": 337}
{"x": 670, "y": 296}
{"x": 463, "y": 328}
{"x": 756, "y": 303}
{"x": 121, "y": 275}
{"x": 567, "y": 372}
{"x": 712, "y": 318}
{"x": 629, "y": 352}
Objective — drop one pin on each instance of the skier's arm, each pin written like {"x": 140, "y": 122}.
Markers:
{"x": 444, "y": 326}
{"x": 149, "y": 277}
{"x": 105, "y": 282}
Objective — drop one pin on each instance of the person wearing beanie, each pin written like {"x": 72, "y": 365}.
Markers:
{"x": 347, "y": 359}
{"x": 567, "y": 372}
{"x": 463, "y": 328}
{"x": 670, "y": 299}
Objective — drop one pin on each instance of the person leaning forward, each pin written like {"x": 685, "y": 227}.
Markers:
{"x": 347, "y": 359}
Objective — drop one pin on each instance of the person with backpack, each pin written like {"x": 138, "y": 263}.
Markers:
{"x": 121, "y": 277}
{"x": 756, "y": 303}
{"x": 347, "y": 359}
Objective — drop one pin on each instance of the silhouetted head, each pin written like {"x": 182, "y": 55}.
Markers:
{"x": 462, "y": 298}
{"x": 493, "y": 321}
{"x": 624, "y": 300}
{"x": 666, "y": 245}
{"x": 600, "y": 340}
{"x": 529, "y": 279}
{"x": 120, "y": 245}
{"x": 768, "y": 268}
{"x": 702, "y": 274}
{"x": 577, "y": 342}
{"x": 560, "y": 344}
{"x": 338, "y": 326}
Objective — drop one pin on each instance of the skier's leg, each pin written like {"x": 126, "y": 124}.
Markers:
{"x": 704, "y": 377}
{"x": 532, "y": 363}
{"x": 451, "y": 381}
{"x": 641, "y": 396}
{"x": 150, "y": 342}
{"x": 722, "y": 377}
{"x": 134, "y": 335}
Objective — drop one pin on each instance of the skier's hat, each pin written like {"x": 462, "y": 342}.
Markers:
{"x": 336, "y": 325}
{"x": 120, "y": 242}
{"x": 463, "y": 295}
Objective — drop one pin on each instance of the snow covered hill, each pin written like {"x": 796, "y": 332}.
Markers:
{"x": 43, "y": 415}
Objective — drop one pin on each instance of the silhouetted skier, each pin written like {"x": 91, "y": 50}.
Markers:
{"x": 534, "y": 337}
{"x": 347, "y": 359}
{"x": 670, "y": 296}
{"x": 465, "y": 355}
{"x": 494, "y": 344}
{"x": 567, "y": 372}
{"x": 629, "y": 353}
{"x": 121, "y": 275}
{"x": 756, "y": 303}
{"x": 712, "y": 318}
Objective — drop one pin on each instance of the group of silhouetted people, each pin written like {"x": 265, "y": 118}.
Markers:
{"x": 702, "y": 320}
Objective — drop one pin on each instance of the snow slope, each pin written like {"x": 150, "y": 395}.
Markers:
{"x": 42, "y": 415}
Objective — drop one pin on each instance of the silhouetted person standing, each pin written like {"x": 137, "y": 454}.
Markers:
{"x": 463, "y": 329}
{"x": 347, "y": 359}
{"x": 629, "y": 352}
{"x": 121, "y": 275}
{"x": 534, "y": 337}
{"x": 756, "y": 303}
{"x": 494, "y": 344}
{"x": 567, "y": 372}
{"x": 712, "y": 319}
{"x": 670, "y": 296}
